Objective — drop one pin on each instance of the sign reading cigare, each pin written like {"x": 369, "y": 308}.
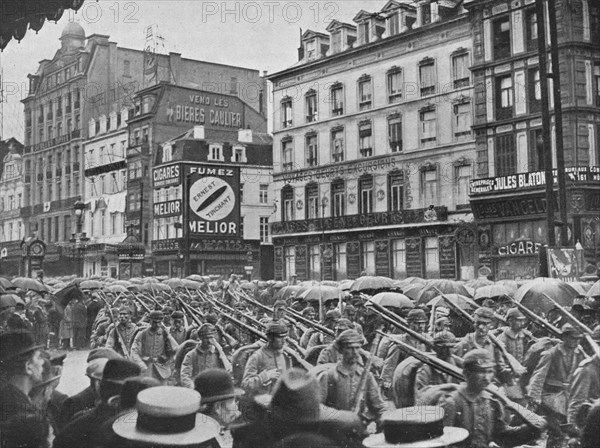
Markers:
{"x": 214, "y": 207}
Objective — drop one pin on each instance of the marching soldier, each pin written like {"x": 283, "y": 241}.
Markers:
{"x": 153, "y": 347}
{"x": 279, "y": 315}
{"x": 472, "y": 407}
{"x": 484, "y": 318}
{"x": 265, "y": 366}
{"x": 549, "y": 384}
{"x": 350, "y": 312}
{"x": 120, "y": 337}
{"x": 318, "y": 338}
{"x": 340, "y": 382}
{"x": 443, "y": 343}
{"x": 178, "y": 330}
{"x": 208, "y": 354}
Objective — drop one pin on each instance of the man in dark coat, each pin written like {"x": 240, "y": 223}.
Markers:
{"x": 79, "y": 324}
{"x": 93, "y": 308}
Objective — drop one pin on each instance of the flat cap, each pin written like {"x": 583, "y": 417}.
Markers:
{"x": 477, "y": 360}
{"x": 348, "y": 337}
{"x": 343, "y": 324}
{"x": 445, "y": 339}
{"x": 207, "y": 330}
{"x": 177, "y": 315}
{"x": 568, "y": 329}
{"x": 416, "y": 315}
{"x": 515, "y": 313}
{"x": 156, "y": 315}
{"x": 332, "y": 315}
{"x": 484, "y": 314}
{"x": 277, "y": 329}
{"x": 280, "y": 304}
{"x": 124, "y": 309}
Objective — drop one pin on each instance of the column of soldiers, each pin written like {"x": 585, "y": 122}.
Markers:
{"x": 513, "y": 379}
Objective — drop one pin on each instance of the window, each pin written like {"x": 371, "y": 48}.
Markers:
{"x": 504, "y": 97}
{"x": 531, "y": 32}
{"x": 394, "y": 85}
{"x": 311, "y": 49}
{"x": 365, "y": 93}
{"x": 367, "y": 251}
{"x": 287, "y": 155}
{"x": 312, "y": 155}
{"x": 463, "y": 177}
{"x": 364, "y": 33}
{"x": 312, "y": 201}
{"x": 462, "y": 120}
{"x": 399, "y": 258}
{"x": 287, "y": 199}
{"x": 92, "y": 223}
{"x": 103, "y": 222}
{"x": 113, "y": 223}
{"x": 395, "y": 133}
{"x": 365, "y": 187}
{"x": 239, "y": 154}
{"x": 311, "y": 106}
{"x": 429, "y": 187}
{"x": 337, "y": 100}
{"x": 126, "y": 68}
{"x": 314, "y": 261}
{"x": 289, "y": 260}
{"x": 536, "y": 150}
{"x": 427, "y": 77}
{"x": 336, "y": 42}
{"x": 393, "y": 24}
{"x": 460, "y": 70}
{"x": 337, "y": 145}
{"x": 215, "y": 152}
{"x": 365, "y": 138}
{"x": 534, "y": 90}
{"x": 506, "y": 155}
{"x": 286, "y": 113}
{"x": 264, "y": 229}
{"x": 263, "y": 194}
{"x": 339, "y": 261}
{"x": 67, "y": 228}
{"x": 501, "y": 30}
{"x": 432, "y": 262}
{"x": 59, "y": 110}
{"x": 396, "y": 188}
{"x": 597, "y": 82}
{"x": 338, "y": 197}
{"x": 428, "y": 127}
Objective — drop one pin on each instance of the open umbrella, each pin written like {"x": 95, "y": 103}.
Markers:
{"x": 459, "y": 300}
{"x": 410, "y": 281}
{"x": 197, "y": 278}
{"x": 90, "y": 284}
{"x": 29, "y": 283}
{"x": 6, "y": 283}
{"x": 7, "y": 300}
{"x": 319, "y": 292}
{"x": 372, "y": 283}
{"x": 122, "y": 283}
{"x": 594, "y": 290}
{"x": 479, "y": 283}
{"x": 532, "y": 293}
{"x": 412, "y": 291}
{"x": 116, "y": 288}
{"x": 393, "y": 299}
{"x": 492, "y": 291}
{"x": 444, "y": 286}
{"x": 287, "y": 291}
{"x": 346, "y": 284}
{"x": 174, "y": 282}
{"x": 136, "y": 280}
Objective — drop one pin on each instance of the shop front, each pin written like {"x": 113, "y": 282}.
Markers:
{"x": 419, "y": 243}
{"x": 510, "y": 214}
{"x": 131, "y": 254}
{"x": 10, "y": 259}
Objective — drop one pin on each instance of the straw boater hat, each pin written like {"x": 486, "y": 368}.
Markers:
{"x": 167, "y": 415}
{"x": 416, "y": 427}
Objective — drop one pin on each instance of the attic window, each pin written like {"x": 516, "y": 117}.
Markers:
{"x": 393, "y": 23}
{"x": 364, "y": 30}
{"x": 311, "y": 49}
{"x": 239, "y": 154}
{"x": 336, "y": 41}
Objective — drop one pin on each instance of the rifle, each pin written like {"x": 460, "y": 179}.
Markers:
{"x": 537, "y": 320}
{"x": 357, "y": 401}
{"x": 115, "y": 323}
{"x": 517, "y": 368}
{"x": 587, "y": 332}
{"x": 260, "y": 335}
{"x": 532, "y": 419}
{"x": 138, "y": 300}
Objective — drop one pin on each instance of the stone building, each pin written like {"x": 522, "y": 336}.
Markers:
{"x": 373, "y": 148}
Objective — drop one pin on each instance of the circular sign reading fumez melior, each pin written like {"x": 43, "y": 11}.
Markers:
{"x": 212, "y": 198}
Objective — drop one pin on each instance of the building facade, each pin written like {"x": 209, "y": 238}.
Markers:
{"x": 508, "y": 197}
{"x": 373, "y": 149}
{"x": 11, "y": 197}
{"x": 224, "y": 179}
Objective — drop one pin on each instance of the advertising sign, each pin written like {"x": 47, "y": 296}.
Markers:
{"x": 165, "y": 176}
{"x": 213, "y": 201}
{"x": 565, "y": 263}
{"x": 212, "y": 110}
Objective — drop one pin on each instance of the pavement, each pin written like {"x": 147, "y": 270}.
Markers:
{"x": 73, "y": 379}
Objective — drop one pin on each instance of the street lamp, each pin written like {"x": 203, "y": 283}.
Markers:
{"x": 79, "y": 238}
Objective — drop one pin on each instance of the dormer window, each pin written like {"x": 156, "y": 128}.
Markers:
{"x": 364, "y": 36}
{"x": 286, "y": 112}
{"x": 239, "y": 154}
{"x": 167, "y": 153}
{"x": 215, "y": 152}
{"x": 311, "y": 49}
{"x": 336, "y": 41}
{"x": 393, "y": 24}
{"x": 311, "y": 106}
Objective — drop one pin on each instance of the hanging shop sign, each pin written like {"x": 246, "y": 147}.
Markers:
{"x": 214, "y": 207}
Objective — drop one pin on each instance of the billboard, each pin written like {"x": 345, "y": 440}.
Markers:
{"x": 213, "y": 201}
{"x": 565, "y": 263}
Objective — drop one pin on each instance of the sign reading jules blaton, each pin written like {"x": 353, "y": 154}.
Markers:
{"x": 213, "y": 201}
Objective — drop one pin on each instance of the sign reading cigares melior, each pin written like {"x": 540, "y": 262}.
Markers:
{"x": 213, "y": 200}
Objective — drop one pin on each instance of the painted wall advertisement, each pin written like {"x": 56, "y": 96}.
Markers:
{"x": 213, "y": 201}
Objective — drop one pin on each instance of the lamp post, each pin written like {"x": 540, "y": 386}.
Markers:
{"x": 79, "y": 238}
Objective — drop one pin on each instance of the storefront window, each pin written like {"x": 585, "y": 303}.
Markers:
{"x": 339, "y": 260}
{"x": 290, "y": 261}
{"x": 368, "y": 257}
{"x": 314, "y": 262}
{"x": 432, "y": 263}
{"x": 399, "y": 258}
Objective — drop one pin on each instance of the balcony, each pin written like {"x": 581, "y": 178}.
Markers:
{"x": 366, "y": 152}
{"x": 358, "y": 221}
{"x": 336, "y": 112}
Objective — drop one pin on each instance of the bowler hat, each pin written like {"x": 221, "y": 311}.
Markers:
{"x": 103, "y": 352}
{"x": 132, "y": 386}
{"x": 277, "y": 329}
{"x": 118, "y": 370}
{"x": 16, "y": 343}
{"x": 167, "y": 416}
{"x": 477, "y": 360}
{"x": 416, "y": 426}
{"x": 156, "y": 315}
{"x": 95, "y": 368}
{"x": 215, "y": 385}
{"x": 515, "y": 313}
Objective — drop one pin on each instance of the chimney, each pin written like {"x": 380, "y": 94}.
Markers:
{"x": 199, "y": 132}
{"x": 245, "y": 135}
